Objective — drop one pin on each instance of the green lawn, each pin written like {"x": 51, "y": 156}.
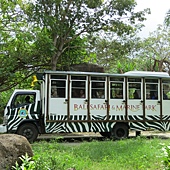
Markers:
{"x": 130, "y": 154}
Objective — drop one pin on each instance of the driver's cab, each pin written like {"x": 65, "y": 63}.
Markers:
{"x": 23, "y": 105}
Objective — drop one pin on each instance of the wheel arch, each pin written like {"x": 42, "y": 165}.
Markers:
{"x": 121, "y": 123}
{"x": 35, "y": 123}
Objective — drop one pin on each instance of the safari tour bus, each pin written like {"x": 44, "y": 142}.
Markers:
{"x": 111, "y": 104}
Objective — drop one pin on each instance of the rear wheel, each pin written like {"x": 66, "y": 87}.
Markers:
{"x": 120, "y": 131}
{"x": 106, "y": 134}
{"x": 28, "y": 130}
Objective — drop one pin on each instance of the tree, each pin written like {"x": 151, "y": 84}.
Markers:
{"x": 115, "y": 53}
{"x": 60, "y": 18}
{"x": 38, "y": 34}
{"x": 167, "y": 18}
{"x": 156, "y": 49}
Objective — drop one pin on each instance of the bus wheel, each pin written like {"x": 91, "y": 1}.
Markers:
{"x": 120, "y": 131}
{"x": 106, "y": 134}
{"x": 29, "y": 131}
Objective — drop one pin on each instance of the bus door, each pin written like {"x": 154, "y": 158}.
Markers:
{"x": 134, "y": 99}
{"x": 98, "y": 91}
{"x": 117, "y": 98}
{"x": 58, "y": 97}
{"x": 152, "y": 104}
{"x": 78, "y": 97}
{"x": 165, "y": 98}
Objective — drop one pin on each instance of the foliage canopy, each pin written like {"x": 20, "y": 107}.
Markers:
{"x": 47, "y": 34}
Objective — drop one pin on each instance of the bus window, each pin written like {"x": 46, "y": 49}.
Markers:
{"x": 151, "y": 89}
{"x": 98, "y": 87}
{"x": 134, "y": 85}
{"x": 116, "y": 90}
{"x": 58, "y": 88}
{"x": 166, "y": 90}
{"x": 54, "y": 93}
{"x": 78, "y": 86}
{"x": 22, "y": 100}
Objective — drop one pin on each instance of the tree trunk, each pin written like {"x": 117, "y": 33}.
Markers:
{"x": 160, "y": 65}
{"x": 56, "y": 56}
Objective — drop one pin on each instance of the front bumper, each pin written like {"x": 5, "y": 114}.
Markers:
{"x": 3, "y": 128}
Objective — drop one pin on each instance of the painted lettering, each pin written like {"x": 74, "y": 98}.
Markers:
{"x": 133, "y": 108}
{"x": 113, "y": 107}
{"x": 119, "y": 108}
{"x": 153, "y": 107}
{"x": 75, "y": 107}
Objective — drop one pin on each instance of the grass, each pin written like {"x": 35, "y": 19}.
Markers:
{"x": 130, "y": 154}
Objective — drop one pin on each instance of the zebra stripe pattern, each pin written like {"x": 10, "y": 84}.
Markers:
{"x": 135, "y": 123}
{"x": 14, "y": 119}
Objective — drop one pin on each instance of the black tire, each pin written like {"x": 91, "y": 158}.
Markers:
{"x": 106, "y": 134}
{"x": 29, "y": 131}
{"x": 120, "y": 131}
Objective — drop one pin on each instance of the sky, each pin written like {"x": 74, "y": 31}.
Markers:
{"x": 158, "y": 10}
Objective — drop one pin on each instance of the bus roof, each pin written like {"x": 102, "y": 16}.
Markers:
{"x": 82, "y": 73}
{"x": 127, "y": 74}
{"x": 146, "y": 74}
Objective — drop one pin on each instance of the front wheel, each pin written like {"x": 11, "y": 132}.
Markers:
{"x": 120, "y": 131}
{"x": 29, "y": 131}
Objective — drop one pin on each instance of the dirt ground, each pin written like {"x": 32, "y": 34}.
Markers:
{"x": 160, "y": 134}
{"x": 164, "y": 135}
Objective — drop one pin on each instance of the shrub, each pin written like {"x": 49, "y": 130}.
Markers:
{"x": 166, "y": 157}
{"x": 27, "y": 163}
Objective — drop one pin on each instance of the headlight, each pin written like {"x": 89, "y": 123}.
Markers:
{"x": 5, "y": 120}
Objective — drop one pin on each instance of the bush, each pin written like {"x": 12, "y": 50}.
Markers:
{"x": 166, "y": 158}
{"x": 27, "y": 163}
